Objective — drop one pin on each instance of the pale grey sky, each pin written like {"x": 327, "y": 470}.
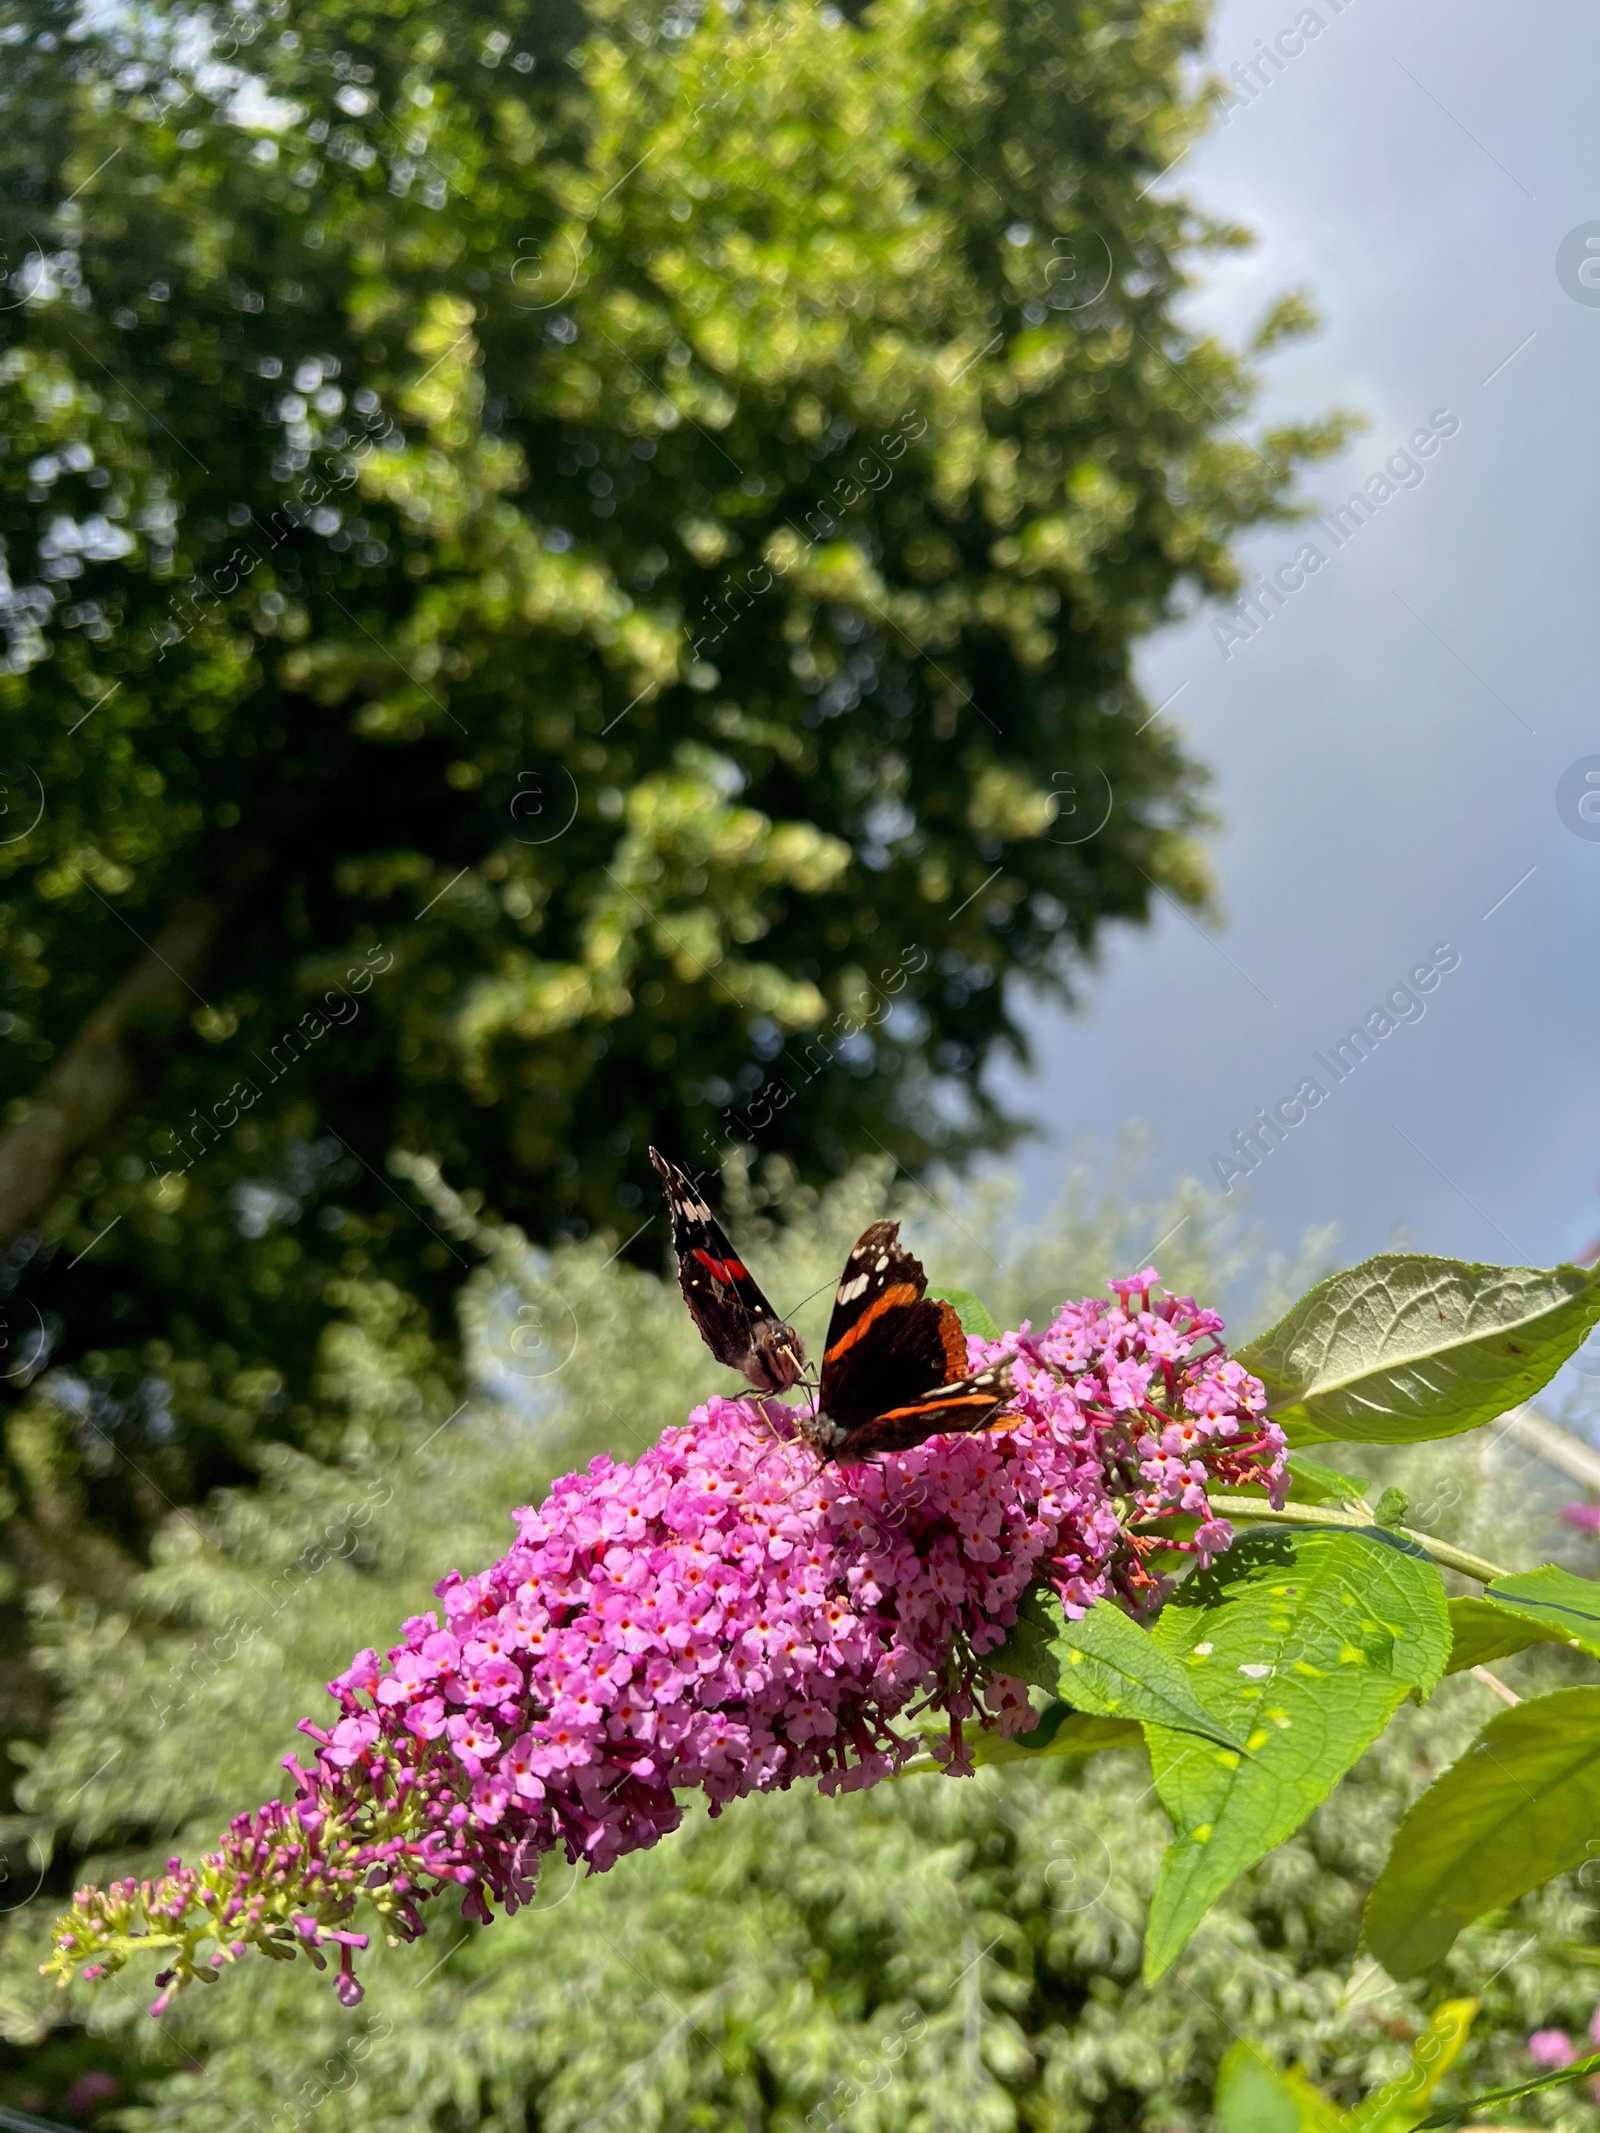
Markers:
{"x": 1387, "y": 749}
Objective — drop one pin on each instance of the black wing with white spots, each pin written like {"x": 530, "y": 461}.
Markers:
{"x": 894, "y": 1371}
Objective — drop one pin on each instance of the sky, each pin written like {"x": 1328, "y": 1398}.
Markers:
{"x": 1388, "y": 749}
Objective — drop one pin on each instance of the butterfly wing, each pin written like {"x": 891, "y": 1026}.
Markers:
{"x": 968, "y": 1404}
{"x": 888, "y": 1343}
{"x": 725, "y": 1301}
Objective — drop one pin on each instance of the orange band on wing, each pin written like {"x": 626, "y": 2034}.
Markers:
{"x": 938, "y": 1407}
{"x": 894, "y": 1299}
{"x": 955, "y": 1343}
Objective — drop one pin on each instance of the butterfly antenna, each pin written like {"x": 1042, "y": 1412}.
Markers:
{"x": 800, "y": 1306}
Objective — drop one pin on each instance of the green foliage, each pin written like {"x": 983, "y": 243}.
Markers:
{"x": 1561, "y": 1604}
{"x": 976, "y": 1318}
{"x": 1106, "y": 1665}
{"x": 1312, "y": 1482}
{"x": 1063, "y": 1731}
{"x": 651, "y": 606}
{"x": 1479, "y": 1633}
{"x": 1298, "y": 1646}
{"x": 1308, "y": 1643}
{"x": 1401, "y": 2103}
{"x": 1580, "y": 2070}
{"x": 1254, "y": 2097}
{"x": 610, "y": 574}
{"x": 1304, "y": 1641}
{"x": 1406, "y": 1346}
{"x": 798, "y": 1956}
{"x": 1522, "y": 1806}
{"x": 929, "y": 1951}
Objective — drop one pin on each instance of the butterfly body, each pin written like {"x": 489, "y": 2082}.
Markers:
{"x": 894, "y": 1371}
{"x": 736, "y": 1321}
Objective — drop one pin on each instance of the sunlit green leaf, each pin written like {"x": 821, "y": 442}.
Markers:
{"x": 1310, "y": 1638}
{"x": 1105, "y": 1665}
{"x": 1253, "y": 2097}
{"x": 1405, "y": 1346}
{"x": 1312, "y": 1482}
{"x": 976, "y": 1317}
{"x": 1400, "y": 2104}
{"x": 1061, "y": 1732}
{"x": 1565, "y": 1606}
{"x": 1480, "y": 1634}
{"x": 1521, "y": 1806}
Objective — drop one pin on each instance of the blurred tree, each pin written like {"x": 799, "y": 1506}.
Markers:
{"x": 571, "y": 580}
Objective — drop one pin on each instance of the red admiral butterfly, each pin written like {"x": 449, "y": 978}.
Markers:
{"x": 894, "y": 1371}
{"x": 736, "y": 1322}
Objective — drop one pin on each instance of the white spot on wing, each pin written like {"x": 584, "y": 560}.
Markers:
{"x": 850, "y": 1290}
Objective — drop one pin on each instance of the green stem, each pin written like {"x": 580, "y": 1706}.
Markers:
{"x": 1304, "y": 1514}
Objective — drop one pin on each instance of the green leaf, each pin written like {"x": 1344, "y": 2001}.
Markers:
{"x": 1399, "y": 2106}
{"x": 1314, "y": 1483}
{"x": 1106, "y": 1665}
{"x": 1312, "y": 1637}
{"x": 1061, "y": 1731}
{"x": 1475, "y": 2106}
{"x": 1252, "y": 2096}
{"x": 1404, "y": 1347}
{"x": 1567, "y": 1607}
{"x": 975, "y": 1317}
{"x": 1521, "y": 1806}
{"x": 1480, "y": 1633}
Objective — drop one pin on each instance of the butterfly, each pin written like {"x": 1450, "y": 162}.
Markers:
{"x": 736, "y": 1321}
{"x": 894, "y": 1371}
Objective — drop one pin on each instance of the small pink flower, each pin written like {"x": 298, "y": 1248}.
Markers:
{"x": 90, "y": 2091}
{"x": 499, "y": 1679}
{"x": 517, "y": 1768}
{"x": 490, "y": 1797}
{"x": 1139, "y": 1284}
{"x": 351, "y": 1737}
{"x": 1551, "y": 2048}
{"x": 363, "y": 1674}
{"x": 473, "y": 1741}
{"x": 426, "y": 1719}
{"x": 560, "y": 1750}
{"x": 410, "y": 1677}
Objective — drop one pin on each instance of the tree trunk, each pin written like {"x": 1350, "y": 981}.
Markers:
{"x": 118, "y": 1050}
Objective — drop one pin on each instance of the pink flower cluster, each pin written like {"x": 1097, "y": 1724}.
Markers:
{"x": 723, "y": 1613}
{"x": 1553, "y": 2048}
